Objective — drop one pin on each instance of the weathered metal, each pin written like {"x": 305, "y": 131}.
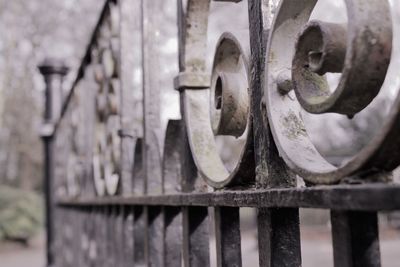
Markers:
{"x": 321, "y": 47}
{"x": 106, "y": 59}
{"x": 131, "y": 102}
{"x": 229, "y": 94}
{"x": 369, "y": 43}
{"x": 355, "y": 238}
{"x": 229, "y": 109}
{"x": 118, "y": 199}
{"x": 53, "y": 71}
{"x": 369, "y": 197}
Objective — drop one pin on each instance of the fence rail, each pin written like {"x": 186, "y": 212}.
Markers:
{"x": 341, "y": 197}
{"x": 113, "y": 198}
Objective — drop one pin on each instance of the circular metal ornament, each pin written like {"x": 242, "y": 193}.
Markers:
{"x": 113, "y": 97}
{"x": 206, "y": 118}
{"x": 229, "y": 89}
{"x": 98, "y": 71}
{"x": 109, "y": 63}
{"x": 112, "y": 156}
{"x": 107, "y": 157}
{"x": 74, "y": 165}
{"x": 98, "y": 160}
{"x": 369, "y": 43}
{"x": 115, "y": 44}
{"x": 74, "y": 175}
{"x": 101, "y": 106}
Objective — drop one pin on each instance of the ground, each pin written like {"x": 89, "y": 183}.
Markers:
{"x": 17, "y": 255}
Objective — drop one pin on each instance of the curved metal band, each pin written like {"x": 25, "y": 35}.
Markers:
{"x": 369, "y": 43}
{"x": 201, "y": 135}
{"x": 284, "y": 111}
{"x": 196, "y": 103}
{"x": 107, "y": 153}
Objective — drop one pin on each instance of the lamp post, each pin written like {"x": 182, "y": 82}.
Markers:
{"x": 53, "y": 71}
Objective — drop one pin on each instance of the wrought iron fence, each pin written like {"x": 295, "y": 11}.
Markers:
{"x": 114, "y": 200}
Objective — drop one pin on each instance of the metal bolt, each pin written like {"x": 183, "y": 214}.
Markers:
{"x": 284, "y": 82}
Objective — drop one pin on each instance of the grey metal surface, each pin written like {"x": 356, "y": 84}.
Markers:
{"x": 124, "y": 196}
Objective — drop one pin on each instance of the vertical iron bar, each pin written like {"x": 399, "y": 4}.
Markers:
{"x": 227, "y": 231}
{"x": 192, "y": 31}
{"x": 278, "y": 229}
{"x": 139, "y": 229}
{"x": 104, "y": 243}
{"x": 155, "y": 236}
{"x": 128, "y": 236}
{"x": 119, "y": 236}
{"x": 138, "y": 183}
{"x": 173, "y": 236}
{"x": 131, "y": 95}
{"x": 355, "y": 238}
{"x": 109, "y": 236}
{"x": 151, "y": 99}
{"x": 278, "y": 237}
{"x": 195, "y": 236}
{"x": 195, "y": 222}
{"x": 89, "y": 118}
{"x": 173, "y": 167}
{"x": 92, "y": 237}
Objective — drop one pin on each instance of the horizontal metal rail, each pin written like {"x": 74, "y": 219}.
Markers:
{"x": 371, "y": 197}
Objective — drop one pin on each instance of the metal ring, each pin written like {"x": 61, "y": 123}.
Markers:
{"x": 112, "y": 156}
{"x": 109, "y": 63}
{"x": 283, "y": 110}
{"x": 229, "y": 88}
{"x": 323, "y": 47}
{"x": 229, "y": 58}
{"x": 98, "y": 161}
{"x": 74, "y": 164}
{"x": 74, "y": 175}
{"x": 107, "y": 152}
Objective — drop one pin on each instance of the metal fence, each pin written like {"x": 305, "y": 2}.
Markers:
{"x": 114, "y": 200}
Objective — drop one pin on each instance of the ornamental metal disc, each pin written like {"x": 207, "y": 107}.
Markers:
{"x": 369, "y": 43}
{"x": 223, "y": 110}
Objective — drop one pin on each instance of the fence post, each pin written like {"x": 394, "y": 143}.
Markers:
{"x": 53, "y": 71}
{"x": 278, "y": 229}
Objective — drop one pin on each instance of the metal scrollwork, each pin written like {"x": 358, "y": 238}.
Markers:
{"x": 106, "y": 157}
{"x": 222, "y": 110}
{"x": 299, "y": 53}
{"x": 229, "y": 88}
{"x": 228, "y": 104}
{"x": 75, "y": 164}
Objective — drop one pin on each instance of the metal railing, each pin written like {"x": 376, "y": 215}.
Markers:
{"x": 114, "y": 200}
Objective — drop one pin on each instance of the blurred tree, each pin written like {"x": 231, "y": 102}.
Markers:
{"x": 31, "y": 30}
{"x": 20, "y": 214}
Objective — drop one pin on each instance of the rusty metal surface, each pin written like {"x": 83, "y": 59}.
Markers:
{"x": 124, "y": 193}
{"x": 369, "y": 43}
{"x": 222, "y": 110}
{"x": 373, "y": 197}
